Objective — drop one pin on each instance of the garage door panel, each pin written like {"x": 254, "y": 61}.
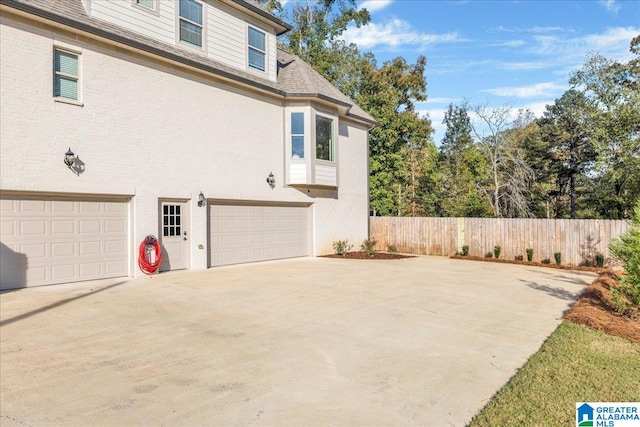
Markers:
{"x": 247, "y": 233}
{"x": 57, "y": 241}
{"x": 58, "y": 250}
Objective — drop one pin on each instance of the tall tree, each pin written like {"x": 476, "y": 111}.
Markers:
{"x": 509, "y": 173}
{"x": 462, "y": 166}
{"x": 389, "y": 94}
{"x": 567, "y": 130}
{"x": 614, "y": 89}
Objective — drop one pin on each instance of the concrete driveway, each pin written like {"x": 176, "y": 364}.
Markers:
{"x": 422, "y": 341}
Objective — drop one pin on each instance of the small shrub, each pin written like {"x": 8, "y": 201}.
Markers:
{"x": 488, "y": 255}
{"x": 392, "y": 249}
{"x": 558, "y": 257}
{"x": 529, "y": 254}
{"x": 496, "y": 251}
{"x": 599, "y": 260}
{"x": 341, "y": 247}
{"x": 546, "y": 261}
{"x": 465, "y": 250}
{"x": 627, "y": 249}
{"x": 368, "y": 246}
{"x": 519, "y": 258}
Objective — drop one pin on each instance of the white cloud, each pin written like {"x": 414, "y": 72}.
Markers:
{"x": 531, "y": 91}
{"x": 393, "y": 34}
{"x": 612, "y": 43}
{"x": 523, "y": 66}
{"x": 441, "y": 101}
{"x": 610, "y": 5}
{"x": 375, "y": 5}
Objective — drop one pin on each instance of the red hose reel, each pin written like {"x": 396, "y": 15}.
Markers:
{"x": 149, "y": 255}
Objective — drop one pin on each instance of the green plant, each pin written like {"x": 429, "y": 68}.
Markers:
{"x": 465, "y": 250}
{"x": 392, "y": 249}
{"x": 368, "y": 246}
{"x": 341, "y": 247}
{"x": 558, "y": 257}
{"x": 627, "y": 250}
{"x": 599, "y": 260}
{"x": 529, "y": 254}
{"x": 496, "y": 251}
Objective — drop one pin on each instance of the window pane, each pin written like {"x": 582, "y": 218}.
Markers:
{"x": 190, "y": 33}
{"x": 66, "y": 87}
{"x": 256, "y": 39}
{"x": 191, "y": 10}
{"x": 297, "y": 147}
{"x": 256, "y": 59}
{"x": 324, "y": 138}
{"x": 66, "y": 63}
{"x": 145, "y": 3}
{"x": 297, "y": 123}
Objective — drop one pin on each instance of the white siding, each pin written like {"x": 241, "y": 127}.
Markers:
{"x": 297, "y": 173}
{"x": 225, "y": 30}
{"x": 325, "y": 175}
{"x": 160, "y": 26}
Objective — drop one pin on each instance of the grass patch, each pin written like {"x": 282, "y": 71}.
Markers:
{"x": 575, "y": 364}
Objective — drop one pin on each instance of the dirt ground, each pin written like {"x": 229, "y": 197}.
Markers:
{"x": 364, "y": 255}
{"x": 530, "y": 263}
{"x": 595, "y": 309}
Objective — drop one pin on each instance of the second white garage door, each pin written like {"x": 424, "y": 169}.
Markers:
{"x": 240, "y": 233}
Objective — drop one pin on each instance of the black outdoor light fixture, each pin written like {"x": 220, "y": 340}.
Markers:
{"x": 201, "y": 200}
{"x": 271, "y": 180}
{"x": 70, "y": 159}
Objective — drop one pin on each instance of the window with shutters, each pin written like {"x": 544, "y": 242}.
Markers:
{"x": 66, "y": 79}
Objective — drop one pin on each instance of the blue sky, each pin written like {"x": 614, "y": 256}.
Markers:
{"x": 516, "y": 53}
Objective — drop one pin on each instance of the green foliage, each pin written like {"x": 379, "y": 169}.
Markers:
{"x": 368, "y": 246}
{"x": 579, "y": 160}
{"x": 558, "y": 257}
{"x": 462, "y": 167}
{"x": 392, "y": 249}
{"x": 614, "y": 89}
{"x": 599, "y": 260}
{"x": 496, "y": 251}
{"x": 465, "y": 250}
{"x": 342, "y": 247}
{"x": 529, "y": 254}
{"x": 627, "y": 250}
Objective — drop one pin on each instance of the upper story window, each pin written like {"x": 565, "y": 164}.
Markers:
{"x": 191, "y": 22}
{"x": 297, "y": 135}
{"x": 257, "y": 49}
{"x": 66, "y": 82}
{"x": 324, "y": 138}
{"x": 145, "y": 3}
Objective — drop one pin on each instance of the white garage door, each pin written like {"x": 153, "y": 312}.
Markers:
{"x": 252, "y": 232}
{"x": 47, "y": 241}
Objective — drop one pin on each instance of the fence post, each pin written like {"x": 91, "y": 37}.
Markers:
{"x": 461, "y": 236}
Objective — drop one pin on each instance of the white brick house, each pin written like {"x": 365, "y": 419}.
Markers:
{"x": 160, "y": 101}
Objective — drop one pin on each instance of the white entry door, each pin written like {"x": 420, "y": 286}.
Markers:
{"x": 174, "y": 236}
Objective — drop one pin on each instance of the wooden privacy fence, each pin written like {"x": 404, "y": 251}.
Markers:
{"x": 578, "y": 240}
